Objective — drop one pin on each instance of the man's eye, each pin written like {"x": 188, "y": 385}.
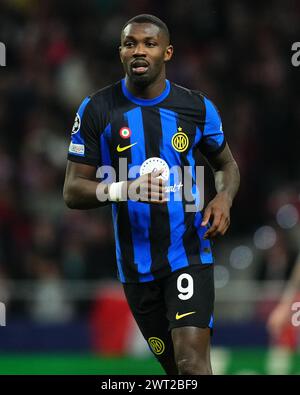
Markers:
{"x": 150, "y": 44}
{"x": 128, "y": 44}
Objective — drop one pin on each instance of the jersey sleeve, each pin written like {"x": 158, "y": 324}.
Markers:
{"x": 213, "y": 140}
{"x": 84, "y": 146}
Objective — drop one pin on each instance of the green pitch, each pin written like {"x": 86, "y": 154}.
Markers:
{"x": 224, "y": 362}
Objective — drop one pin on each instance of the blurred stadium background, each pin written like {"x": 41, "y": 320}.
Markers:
{"x": 65, "y": 312}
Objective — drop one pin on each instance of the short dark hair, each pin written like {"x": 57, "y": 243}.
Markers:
{"x": 148, "y": 18}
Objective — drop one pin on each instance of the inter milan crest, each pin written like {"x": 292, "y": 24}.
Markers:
{"x": 125, "y": 133}
{"x": 156, "y": 345}
{"x": 76, "y": 125}
{"x": 180, "y": 141}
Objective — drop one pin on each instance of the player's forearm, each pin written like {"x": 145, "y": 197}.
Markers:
{"x": 227, "y": 180}
{"x": 293, "y": 285}
{"x": 82, "y": 193}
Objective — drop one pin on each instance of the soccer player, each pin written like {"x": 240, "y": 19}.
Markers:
{"x": 145, "y": 126}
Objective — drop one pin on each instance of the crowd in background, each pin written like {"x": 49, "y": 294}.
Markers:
{"x": 58, "y": 52}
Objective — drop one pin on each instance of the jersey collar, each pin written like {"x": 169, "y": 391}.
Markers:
{"x": 146, "y": 102}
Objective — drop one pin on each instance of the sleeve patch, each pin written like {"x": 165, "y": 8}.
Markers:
{"x": 77, "y": 149}
{"x": 77, "y": 123}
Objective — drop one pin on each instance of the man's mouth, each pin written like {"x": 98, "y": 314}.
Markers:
{"x": 139, "y": 66}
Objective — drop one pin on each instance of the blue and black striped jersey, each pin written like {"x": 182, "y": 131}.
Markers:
{"x": 114, "y": 128}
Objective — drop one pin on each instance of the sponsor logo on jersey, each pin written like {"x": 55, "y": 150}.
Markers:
{"x": 180, "y": 141}
{"x": 179, "y": 316}
{"x": 121, "y": 149}
{"x": 157, "y": 345}
{"x": 153, "y": 164}
{"x": 76, "y": 149}
{"x": 174, "y": 188}
{"x": 77, "y": 124}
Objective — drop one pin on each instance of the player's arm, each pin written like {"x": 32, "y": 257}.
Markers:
{"x": 227, "y": 177}
{"x": 282, "y": 312}
{"x": 293, "y": 285}
{"x": 81, "y": 187}
{"x": 227, "y": 181}
{"x": 82, "y": 191}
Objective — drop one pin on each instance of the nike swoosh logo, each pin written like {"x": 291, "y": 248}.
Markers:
{"x": 178, "y": 316}
{"x": 121, "y": 149}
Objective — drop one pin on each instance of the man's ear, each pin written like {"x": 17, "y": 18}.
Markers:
{"x": 168, "y": 53}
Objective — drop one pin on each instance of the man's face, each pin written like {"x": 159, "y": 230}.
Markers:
{"x": 144, "y": 50}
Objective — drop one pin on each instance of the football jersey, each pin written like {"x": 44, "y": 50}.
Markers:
{"x": 134, "y": 136}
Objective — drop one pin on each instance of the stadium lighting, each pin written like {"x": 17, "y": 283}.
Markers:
{"x": 241, "y": 257}
{"x": 265, "y": 237}
{"x": 287, "y": 216}
{"x": 222, "y": 276}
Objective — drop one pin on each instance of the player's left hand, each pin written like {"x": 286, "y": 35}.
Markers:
{"x": 218, "y": 210}
{"x": 278, "y": 318}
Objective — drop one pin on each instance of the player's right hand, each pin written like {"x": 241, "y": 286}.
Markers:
{"x": 148, "y": 188}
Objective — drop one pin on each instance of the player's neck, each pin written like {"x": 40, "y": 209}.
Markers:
{"x": 150, "y": 91}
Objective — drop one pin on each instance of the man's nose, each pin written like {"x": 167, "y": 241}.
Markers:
{"x": 139, "y": 50}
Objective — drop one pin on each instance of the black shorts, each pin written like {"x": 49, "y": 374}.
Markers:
{"x": 185, "y": 298}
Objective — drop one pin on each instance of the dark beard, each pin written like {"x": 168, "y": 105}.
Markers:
{"x": 141, "y": 81}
